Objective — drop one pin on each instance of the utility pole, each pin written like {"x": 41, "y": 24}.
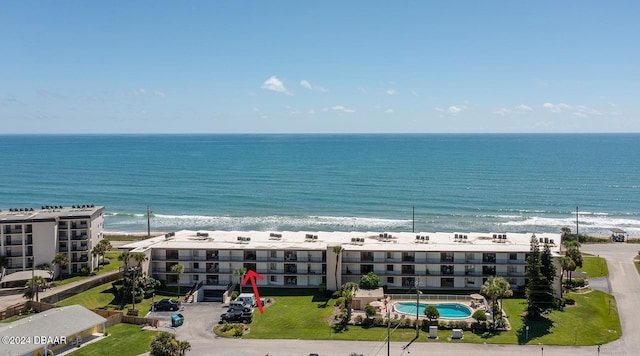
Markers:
{"x": 577, "y": 231}
{"x": 413, "y": 219}
{"x": 148, "y": 222}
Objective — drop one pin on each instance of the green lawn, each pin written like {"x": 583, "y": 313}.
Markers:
{"x": 102, "y": 297}
{"x": 114, "y": 265}
{"x": 123, "y": 340}
{"x": 594, "y": 266}
{"x": 304, "y": 317}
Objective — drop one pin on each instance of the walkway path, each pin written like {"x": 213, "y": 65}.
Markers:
{"x": 11, "y": 300}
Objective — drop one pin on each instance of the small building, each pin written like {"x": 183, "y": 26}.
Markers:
{"x": 618, "y": 235}
{"x": 51, "y": 330}
{"x": 366, "y": 296}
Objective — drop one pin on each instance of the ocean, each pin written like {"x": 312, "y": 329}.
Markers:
{"x": 342, "y": 182}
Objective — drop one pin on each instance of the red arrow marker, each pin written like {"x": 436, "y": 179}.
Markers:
{"x": 252, "y": 275}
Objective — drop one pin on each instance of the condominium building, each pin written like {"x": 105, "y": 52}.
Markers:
{"x": 31, "y": 237}
{"x": 307, "y": 259}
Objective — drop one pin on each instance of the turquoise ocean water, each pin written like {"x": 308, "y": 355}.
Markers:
{"x": 462, "y": 183}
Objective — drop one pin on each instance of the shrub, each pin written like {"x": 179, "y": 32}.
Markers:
{"x": 105, "y": 262}
{"x": 379, "y": 321}
{"x": 369, "y": 281}
{"x": 358, "y": 319}
{"x": 370, "y": 310}
{"x": 238, "y": 330}
{"x": 431, "y": 312}
{"x": 234, "y": 295}
{"x": 226, "y": 327}
{"x": 85, "y": 271}
{"x": 568, "y": 300}
{"x": 339, "y": 302}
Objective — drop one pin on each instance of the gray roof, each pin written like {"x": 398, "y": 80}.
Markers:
{"x": 57, "y": 322}
{"x": 25, "y": 275}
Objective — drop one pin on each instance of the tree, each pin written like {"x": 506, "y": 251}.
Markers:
{"x": 177, "y": 269}
{"x": 124, "y": 257}
{"x": 140, "y": 258}
{"x": 240, "y": 272}
{"x": 369, "y": 281}
{"x": 480, "y": 316}
{"x": 431, "y": 312}
{"x": 105, "y": 247}
{"x": 60, "y": 259}
{"x": 349, "y": 290}
{"x": 495, "y": 289}
{"x": 573, "y": 252}
{"x": 541, "y": 273}
{"x": 567, "y": 265}
{"x": 370, "y": 311}
{"x": 166, "y": 344}
{"x": 97, "y": 251}
{"x": 337, "y": 250}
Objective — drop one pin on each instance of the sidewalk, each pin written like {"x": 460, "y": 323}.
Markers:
{"x": 11, "y": 300}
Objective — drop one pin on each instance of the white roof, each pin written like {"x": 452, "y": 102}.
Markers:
{"x": 350, "y": 240}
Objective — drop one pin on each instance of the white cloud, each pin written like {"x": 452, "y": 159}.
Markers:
{"x": 452, "y": 109}
{"x": 308, "y": 112}
{"x": 275, "y": 84}
{"x": 389, "y": 111}
{"x": 137, "y": 92}
{"x": 519, "y": 109}
{"x": 305, "y": 84}
{"x": 342, "y": 108}
{"x": 362, "y": 91}
{"x": 556, "y": 107}
{"x": 391, "y": 92}
{"x": 159, "y": 93}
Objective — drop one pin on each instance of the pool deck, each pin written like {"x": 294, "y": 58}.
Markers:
{"x": 387, "y": 307}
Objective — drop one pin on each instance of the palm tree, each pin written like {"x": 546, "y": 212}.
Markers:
{"x": 240, "y": 272}
{"x": 106, "y": 247}
{"x": 96, "y": 251}
{"x": 124, "y": 257}
{"x": 177, "y": 269}
{"x": 349, "y": 290}
{"x": 337, "y": 250}
{"x": 60, "y": 259}
{"x": 140, "y": 258}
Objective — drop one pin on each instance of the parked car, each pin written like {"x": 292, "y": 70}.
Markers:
{"x": 166, "y": 304}
{"x": 239, "y": 306}
{"x": 236, "y": 316}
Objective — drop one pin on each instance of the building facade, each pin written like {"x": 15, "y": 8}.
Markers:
{"x": 30, "y": 237}
{"x": 308, "y": 259}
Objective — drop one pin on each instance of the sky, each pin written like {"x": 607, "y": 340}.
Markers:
{"x": 319, "y": 67}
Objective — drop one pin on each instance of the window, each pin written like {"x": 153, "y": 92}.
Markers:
{"x": 446, "y": 256}
{"x": 408, "y": 256}
{"x": 389, "y": 268}
{"x": 513, "y": 256}
{"x": 273, "y": 253}
{"x": 273, "y": 266}
{"x": 273, "y": 279}
{"x": 364, "y": 269}
{"x": 194, "y": 253}
{"x": 468, "y": 256}
{"x": 471, "y": 281}
{"x": 390, "y": 280}
{"x": 195, "y": 277}
{"x": 366, "y": 256}
{"x": 390, "y": 255}
{"x": 512, "y": 269}
{"x": 196, "y": 265}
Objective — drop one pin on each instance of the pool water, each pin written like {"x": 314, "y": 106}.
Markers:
{"x": 446, "y": 310}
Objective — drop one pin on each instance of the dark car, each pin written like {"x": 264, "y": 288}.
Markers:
{"x": 236, "y": 316}
{"x": 166, "y": 304}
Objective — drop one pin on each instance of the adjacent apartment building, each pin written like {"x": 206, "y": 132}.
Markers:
{"x": 31, "y": 237}
{"x": 307, "y": 259}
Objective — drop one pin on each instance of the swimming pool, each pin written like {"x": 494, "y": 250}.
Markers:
{"x": 447, "y": 310}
